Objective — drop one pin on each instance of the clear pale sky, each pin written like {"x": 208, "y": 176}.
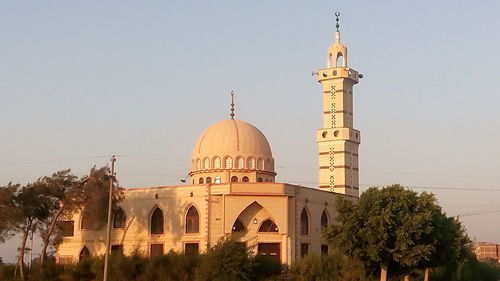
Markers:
{"x": 82, "y": 80}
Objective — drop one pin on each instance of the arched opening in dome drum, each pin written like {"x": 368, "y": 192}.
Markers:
{"x": 234, "y": 179}
{"x": 209, "y": 180}
{"x": 259, "y": 180}
{"x": 200, "y": 181}
{"x": 245, "y": 179}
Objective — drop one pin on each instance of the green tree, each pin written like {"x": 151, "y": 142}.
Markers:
{"x": 228, "y": 260}
{"x": 68, "y": 195}
{"x": 390, "y": 227}
{"x": 27, "y": 207}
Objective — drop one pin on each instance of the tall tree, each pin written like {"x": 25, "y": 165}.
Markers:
{"x": 7, "y": 209}
{"x": 69, "y": 195}
{"x": 388, "y": 228}
{"x": 29, "y": 206}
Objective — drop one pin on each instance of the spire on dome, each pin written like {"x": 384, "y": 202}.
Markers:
{"x": 232, "y": 105}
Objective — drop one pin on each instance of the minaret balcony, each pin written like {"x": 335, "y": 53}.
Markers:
{"x": 338, "y": 73}
{"x": 337, "y": 134}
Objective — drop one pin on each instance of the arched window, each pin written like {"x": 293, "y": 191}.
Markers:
{"x": 228, "y": 162}
{"x": 234, "y": 179}
{"x": 240, "y": 163}
{"x": 119, "y": 221}
{"x": 217, "y": 179}
{"x": 324, "y": 219}
{"x": 245, "y": 179}
{"x": 192, "y": 220}
{"x": 206, "y": 163}
{"x": 84, "y": 253}
{"x": 157, "y": 221}
{"x": 238, "y": 226}
{"x": 209, "y": 180}
{"x": 198, "y": 164}
{"x": 340, "y": 60}
{"x": 200, "y": 181}
{"x": 217, "y": 163}
{"x": 304, "y": 222}
{"x": 259, "y": 180}
{"x": 268, "y": 226}
{"x": 260, "y": 164}
{"x": 250, "y": 163}
{"x": 268, "y": 165}
{"x": 85, "y": 221}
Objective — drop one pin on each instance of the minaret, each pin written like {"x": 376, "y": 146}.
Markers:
{"x": 338, "y": 141}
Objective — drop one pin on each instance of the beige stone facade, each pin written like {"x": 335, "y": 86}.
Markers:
{"x": 232, "y": 188}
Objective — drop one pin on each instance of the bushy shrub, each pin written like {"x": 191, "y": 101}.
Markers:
{"x": 228, "y": 260}
{"x": 172, "y": 267}
{"x": 328, "y": 268}
{"x": 265, "y": 267}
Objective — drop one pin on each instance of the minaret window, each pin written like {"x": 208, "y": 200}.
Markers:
{"x": 200, "y": 181}
{"x": 245, "y": 179}
{"x": 209, "y": 180}
{"x": 157, "y": 221}
{"x": 259, "y": 180}
{"x": 234, "y": 179}
{"x": 340, "y": 60}
{"x": 192, "y": 220}
{"x": 217, "y": 179}
{"x": 229, "y": 162}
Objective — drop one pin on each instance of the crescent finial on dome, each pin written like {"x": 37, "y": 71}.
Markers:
{"x": 232, "y": 105}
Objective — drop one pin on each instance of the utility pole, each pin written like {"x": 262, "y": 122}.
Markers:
{"x": 108, "y": 236}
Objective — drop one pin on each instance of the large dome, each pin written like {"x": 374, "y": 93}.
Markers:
{"x": 232, "y": 137}
{"x": 232, "y": 145}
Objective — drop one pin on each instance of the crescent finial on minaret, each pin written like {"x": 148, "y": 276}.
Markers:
{"x": 232, "y": 105}
{"x": 337, "y": 15}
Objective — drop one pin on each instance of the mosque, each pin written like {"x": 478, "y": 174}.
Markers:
{"x": 232, "y": 188}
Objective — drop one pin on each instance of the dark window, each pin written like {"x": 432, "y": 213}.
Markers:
{"x": 155, "y": 250}
{"x": 66, "y": 228}
{"x": 117, "y": 249}
{"x": 200, "y": 181}
{"x": 234, "y": 179}
{"x": 324, "y": 249}
{"x": 259, "y": 180}
{"x": 157, "y": 222}
{"x": 192, "y": 220}
{"x": 324, "y": 219}
{"x": 268, "y": 226}
{"x": 119, "y": 221}
{"x": 84, "y": 253}
{"x": 304, "y": 249}
{"x": 304, "y": 223}
{"x": 209, "y": 180}
{"x": 191, "y": 248}
{"x": 238, "y": 226}
{"x": 245, "y": 179}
